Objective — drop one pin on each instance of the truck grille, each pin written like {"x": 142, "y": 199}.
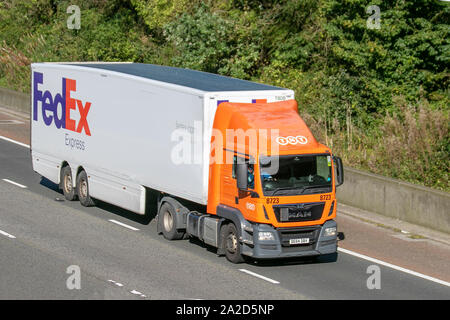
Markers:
{"x": 299, "y": 212}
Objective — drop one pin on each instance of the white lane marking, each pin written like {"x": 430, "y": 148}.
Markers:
{"x": 116, "y": 283}
{"x": 136, "y": 292}
{"x": 14, "y": 141}
{"x": 15, "y": 183}
{"x": 386, "y": 264}
{"x": 123, "y": 225}
{"x": 7, "y": 234}
{"x": 259, "y": 276}
{"x": 132, "y": 291}
{"x": 11, "y": 121}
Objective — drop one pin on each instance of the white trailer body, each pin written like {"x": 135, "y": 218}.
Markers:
{"x": 122, "y": 123}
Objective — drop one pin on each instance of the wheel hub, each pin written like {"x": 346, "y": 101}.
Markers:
{"x": 232, "y": 243}
{"x": 168, "y": 221}
{"x": 68, "y": 183}
{"x": 83, "y": 188}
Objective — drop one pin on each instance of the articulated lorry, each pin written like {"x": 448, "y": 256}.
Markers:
{"x": 230, "y": 161}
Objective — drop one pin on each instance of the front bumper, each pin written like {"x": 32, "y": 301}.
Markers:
{"x": 280, "y": 247}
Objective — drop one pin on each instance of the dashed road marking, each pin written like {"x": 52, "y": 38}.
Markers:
{"x": 135, "y": 292}
{"x": 14, "y": 141}
{"x": 259, "y": 276}
{"x": 123, "y": 225}
{"x": 7, "y": 234}
{"x": 116, "y": 283}
{"x": 15, "y": 183}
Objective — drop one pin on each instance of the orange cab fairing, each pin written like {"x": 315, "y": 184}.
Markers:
{"x": 279, "y": 119}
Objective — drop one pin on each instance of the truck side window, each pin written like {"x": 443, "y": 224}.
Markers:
{"x": 233, "y": 170}
{"x": 251, "y": 176}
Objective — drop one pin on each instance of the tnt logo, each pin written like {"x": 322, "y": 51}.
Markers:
{"x": 50, "y": 106}
{"x": 291, "y": 140}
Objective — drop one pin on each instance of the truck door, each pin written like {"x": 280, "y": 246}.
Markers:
{"x": 228, "y": 186}
{"x": 230, "y": 194}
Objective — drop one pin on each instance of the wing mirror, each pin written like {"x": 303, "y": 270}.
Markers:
{"x": 339, "y": 171}
{"x": 242, "y": 176}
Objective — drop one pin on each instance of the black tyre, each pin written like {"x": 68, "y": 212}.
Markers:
{"x": 231, "y": 244}
{"x": 167, "y": 221}
{"x": 67, "y": 184}
{"x": 83, "y": 190}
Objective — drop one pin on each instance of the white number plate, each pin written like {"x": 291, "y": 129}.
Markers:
{"x": 299, "y": 241}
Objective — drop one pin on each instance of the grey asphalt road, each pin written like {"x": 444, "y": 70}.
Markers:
{"x": 41, "y": 237}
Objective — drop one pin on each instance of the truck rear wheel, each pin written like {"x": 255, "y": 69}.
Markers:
{"x": 167, "y": 221}
{"x": 231, "y": 244}
{"x": 83, "y": 190}
{"x": 67, "y": 184}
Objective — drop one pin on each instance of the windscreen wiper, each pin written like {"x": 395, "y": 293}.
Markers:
{"x": 312, "y": 187}
{"x": 280, "y": 189}
{"x": 300, "y": 190}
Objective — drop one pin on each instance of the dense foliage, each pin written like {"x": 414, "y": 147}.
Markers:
{"x": 378, "y": 96}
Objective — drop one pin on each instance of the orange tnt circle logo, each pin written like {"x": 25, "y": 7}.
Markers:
{"x": 291, "y": 140}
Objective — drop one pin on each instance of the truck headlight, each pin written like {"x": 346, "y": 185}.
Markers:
{"x": 329, "y": 232}
{"x": 264, "y": 236}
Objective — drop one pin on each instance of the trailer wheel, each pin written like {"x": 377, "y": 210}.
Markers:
{"x": 231, "y": 244}
{"x": 67, "y": 184}
{"x": 167, "y": 221}
{"x": 83, "y": 190}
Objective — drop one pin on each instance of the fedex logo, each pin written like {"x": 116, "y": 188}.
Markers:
{"x": 49, "y": 106}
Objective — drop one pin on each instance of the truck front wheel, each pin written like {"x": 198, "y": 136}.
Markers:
{"x": 231, "y": 244}
{"x": 167, "y": 221}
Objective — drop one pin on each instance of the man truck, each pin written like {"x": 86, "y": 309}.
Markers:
{"x": 231, "y": 161}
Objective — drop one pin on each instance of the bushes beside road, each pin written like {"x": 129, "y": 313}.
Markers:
{"x": 378, "y": 96}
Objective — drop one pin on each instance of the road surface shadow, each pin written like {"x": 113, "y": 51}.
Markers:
{"x": 327, "y": 258}
{"x": 48, "y": 184}
{"x": 145, "y": 219}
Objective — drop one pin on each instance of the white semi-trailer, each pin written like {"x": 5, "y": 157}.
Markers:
{"x": 115, "y": 131}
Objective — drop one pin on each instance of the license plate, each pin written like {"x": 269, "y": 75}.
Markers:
{"x": 299, "y": 241}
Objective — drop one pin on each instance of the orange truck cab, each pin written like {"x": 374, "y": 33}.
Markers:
{"x": 281, "y": 198}
{"x": 272, "y": 186}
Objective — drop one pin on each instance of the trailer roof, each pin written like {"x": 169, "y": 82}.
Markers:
{"x": 184, "y": 77}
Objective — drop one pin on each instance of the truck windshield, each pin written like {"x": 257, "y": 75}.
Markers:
{"x": 296, "y": 174}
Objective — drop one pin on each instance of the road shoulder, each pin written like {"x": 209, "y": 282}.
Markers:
{"x": 394, "y": 241}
